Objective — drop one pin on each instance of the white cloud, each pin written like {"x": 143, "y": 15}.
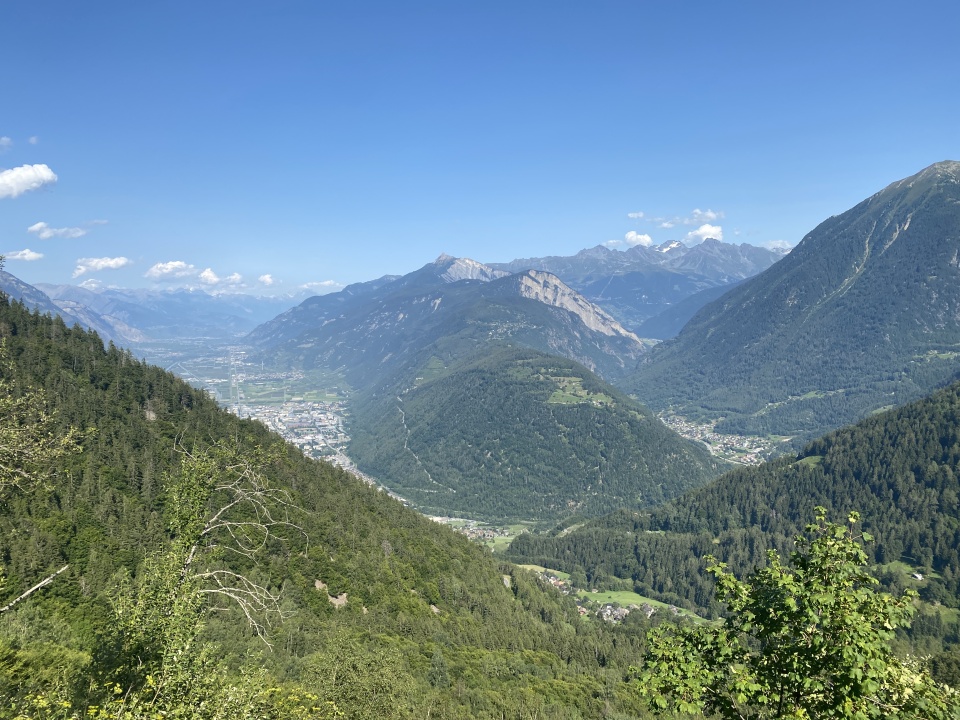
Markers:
{"x": 635, "y": 215}
{"x": 266, "y": 279}
{"x": 631, "y": 239}
{"x": 698, "y": 216}
{"x": 45, "y": 232}
{"x": 33, "y": 140}
{"x": 85, "y": 265}
{"x": 178, "y": 270}
{"x": 777, "y": 245}
{"x": 19, "y": 180}
{"x": 5, "y": 143}
{"x": 170, "y": 270}
{"x": 704, "y": 232}
{"x": 26, "y": 254}
{"x": 209, "y": 277}
{"x": 91, "y": 284}
{"x": 322, "y": 287}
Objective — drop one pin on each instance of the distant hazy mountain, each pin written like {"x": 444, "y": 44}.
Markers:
{"x": 136, "y": 315}
{"x": 864, "y": 313}
{"x": 128, "y": 317}
{"x": 32, "y": 297}
{"x": 671, "y": 321}
{"x": 640, "y": 283}
{"x": 36, "y": 299}
{"x": 473, "y": 394}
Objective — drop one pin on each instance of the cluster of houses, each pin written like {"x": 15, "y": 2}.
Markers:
{"x": 473, "y": 529}
{"x": 608, "y": 612}
{"x": 736, "y": 448}
{"x": 315, "y": 427}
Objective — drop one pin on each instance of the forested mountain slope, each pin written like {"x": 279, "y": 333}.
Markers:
{"x": 509, "y": 432}
{"x": 900, "y": 469}
{"x": 864, "y": 313}
{"x": 387, "y": 614}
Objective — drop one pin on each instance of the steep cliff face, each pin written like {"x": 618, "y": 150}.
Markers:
{"x": 641, "y": 283}
{"x": 548, "y": 289}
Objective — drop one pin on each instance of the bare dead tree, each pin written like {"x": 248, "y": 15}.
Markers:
{"x": 222, "y": 505}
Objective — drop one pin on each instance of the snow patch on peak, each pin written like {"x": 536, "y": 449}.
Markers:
{"x": 668, "y": 246}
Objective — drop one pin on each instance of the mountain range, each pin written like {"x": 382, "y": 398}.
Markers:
{"x": 474, "y": 393}
{"x": 631, "y": 286}
{"x": 371, "y": 330}
{"x": 863, "y": 314}
{"x": 640, "y": 283}
{"x": 129, "y": 317}
{"x": 413, "y": 338}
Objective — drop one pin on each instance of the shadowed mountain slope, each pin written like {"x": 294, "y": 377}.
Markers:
{"x": 864, "y": 313}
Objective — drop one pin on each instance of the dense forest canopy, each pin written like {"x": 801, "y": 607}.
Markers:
{"x": 377, "y": 601}
{"x": 509, "y": 432}
{"x": 898, "y": 468}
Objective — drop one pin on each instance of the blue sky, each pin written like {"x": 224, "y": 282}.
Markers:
{"x": 268, "y": 146}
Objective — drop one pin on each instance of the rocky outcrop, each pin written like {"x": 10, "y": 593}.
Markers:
{"x": 550, "y": 290}
{"x": 456, "y": 269}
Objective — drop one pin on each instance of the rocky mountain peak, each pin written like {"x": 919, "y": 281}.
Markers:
{"x": 944, "y": 171}
{"x": 452, "y": 269}
{"x": 939, "y": 174}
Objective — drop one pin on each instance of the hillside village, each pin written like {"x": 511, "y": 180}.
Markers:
{"x": 734, "y": 448}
